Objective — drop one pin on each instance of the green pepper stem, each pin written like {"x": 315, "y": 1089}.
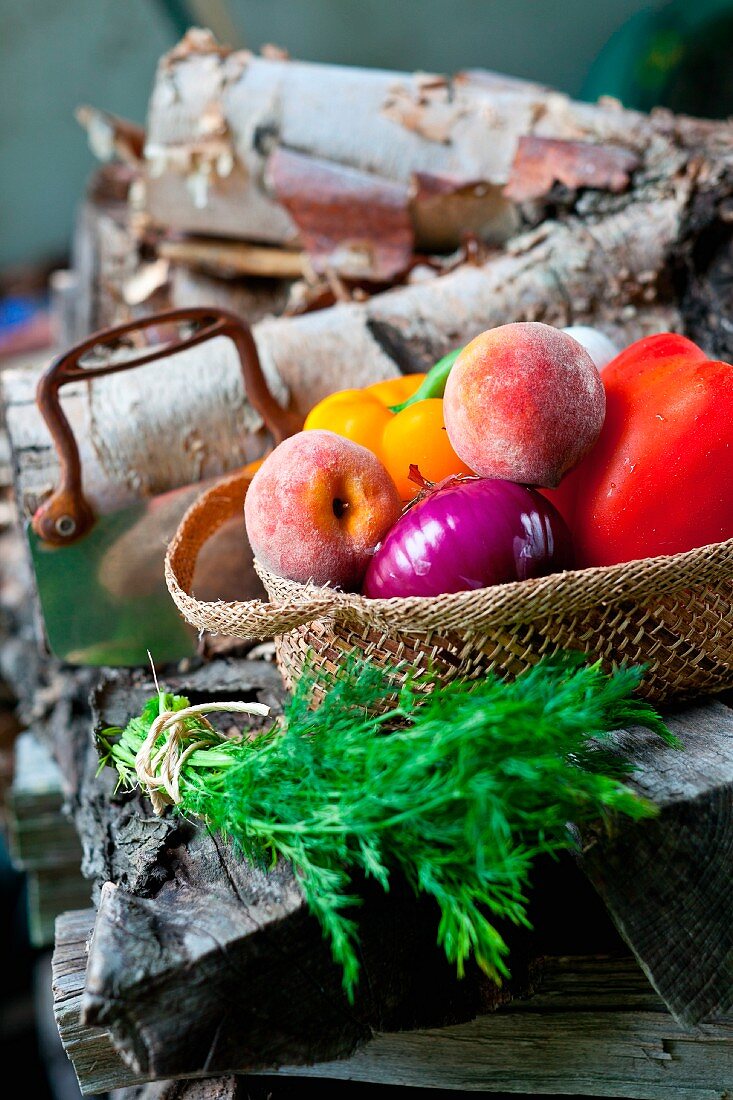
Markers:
{"x": 434, "y": 382}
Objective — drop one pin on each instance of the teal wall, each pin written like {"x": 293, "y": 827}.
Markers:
{"x": 55, "y": 54}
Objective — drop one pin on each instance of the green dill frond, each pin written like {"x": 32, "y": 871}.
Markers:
{"x": 458, "y": 790}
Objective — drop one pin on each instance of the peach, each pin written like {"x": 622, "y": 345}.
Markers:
{"x": 317, "y": 507}
{"x": 524, "y": 402}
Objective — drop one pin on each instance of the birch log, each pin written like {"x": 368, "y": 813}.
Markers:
{"x": 231, "y": 135}
{"x": 631, "y": 249}
{"x": 599, "y": 215}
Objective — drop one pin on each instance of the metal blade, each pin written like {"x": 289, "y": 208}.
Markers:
{"x": 104, "y": 599}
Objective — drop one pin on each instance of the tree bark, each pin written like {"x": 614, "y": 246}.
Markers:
{"x": 222, "y": 124}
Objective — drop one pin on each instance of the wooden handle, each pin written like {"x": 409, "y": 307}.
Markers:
{"x": 67, "y": 514}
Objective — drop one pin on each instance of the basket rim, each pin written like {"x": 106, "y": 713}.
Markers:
{"x": 643, "y": 581}
{"x": 522, "y": 601}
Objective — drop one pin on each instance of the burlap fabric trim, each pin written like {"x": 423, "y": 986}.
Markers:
{"x": 673, "y": 613}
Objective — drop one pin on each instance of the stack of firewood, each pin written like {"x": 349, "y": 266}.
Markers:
{"x": 426, "y": 208}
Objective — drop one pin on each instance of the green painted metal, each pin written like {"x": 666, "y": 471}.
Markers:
{"x": 94, "y": 611}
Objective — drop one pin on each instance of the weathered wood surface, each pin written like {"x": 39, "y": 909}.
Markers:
{"x": 43, "y": 841}
{"x": 209, "y": 1088}
{"x": 105, "y": 254}
{"x": 188, "y": 930}
{"x": 594, "y": 1026}
{"x": 668, "y": 883}
{"x": 98, "y": 1065}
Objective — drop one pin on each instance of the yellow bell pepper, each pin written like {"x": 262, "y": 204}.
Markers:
{"x": 355, "y": 414}
{"x": 416, "y": 436}
{"x": 401, "y": 432}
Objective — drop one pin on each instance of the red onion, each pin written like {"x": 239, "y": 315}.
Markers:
{"x": 469, "y": 533}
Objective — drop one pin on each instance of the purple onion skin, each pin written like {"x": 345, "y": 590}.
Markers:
{"x": 469, "y": 534}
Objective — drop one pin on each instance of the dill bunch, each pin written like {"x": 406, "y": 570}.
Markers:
{"x": 458, "y": 790}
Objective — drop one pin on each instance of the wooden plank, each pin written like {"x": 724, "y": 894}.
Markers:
{"x": 91, "y": 1051}
{"x": 42, "y": 838}
{"x": 594, "y": 1027}
{"x": 667, "y": 882}
{"x": 210, "y": 1088}
{"x": 641, "y": 1055}
{"x": 234, "y": 257}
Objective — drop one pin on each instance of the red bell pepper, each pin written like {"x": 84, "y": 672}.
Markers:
{"x": 660, "y": 478}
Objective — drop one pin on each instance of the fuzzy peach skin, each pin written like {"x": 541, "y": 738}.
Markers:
{"x": 317, "y": 507}
{"x": 524, "y": 402}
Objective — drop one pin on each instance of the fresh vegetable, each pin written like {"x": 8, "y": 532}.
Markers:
{"x": 416, "y": 436}
{"x": 395, "y": 391}
{"x": 400, "y": 420}
{"x": 523, "y": 402}
{"x": 362, "y": 414}
{"x": 357, "y": 415}
{"x": 600, "y": 348}
{"x": 317, "y": 507}
{"x": 660, "y": 478}
{"x": 476, "y": 780}
{"x": 469, "y": 533}
{"x": 434, "y": 382}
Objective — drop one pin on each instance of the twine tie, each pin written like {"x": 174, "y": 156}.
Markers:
{"x": 159, "y": 769}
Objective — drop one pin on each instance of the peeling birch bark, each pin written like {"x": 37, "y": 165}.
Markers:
{"x": 654, "y": 256}
{"x": 217, "y": 120}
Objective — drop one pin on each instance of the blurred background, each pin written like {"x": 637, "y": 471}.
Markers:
{"x": 56, "y": 54}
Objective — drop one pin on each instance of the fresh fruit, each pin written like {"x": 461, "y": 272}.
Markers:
{"x": 417, "y": 437}
{"x": 469, "y": 533}
{"x": 413, "y": 435}
{"x": 523, "y": 402}
{"x": 317, "y": 507}
{"x": 659, "y": 479}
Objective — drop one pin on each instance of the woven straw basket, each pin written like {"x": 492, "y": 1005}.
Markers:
{"x": 673, "y": 614}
